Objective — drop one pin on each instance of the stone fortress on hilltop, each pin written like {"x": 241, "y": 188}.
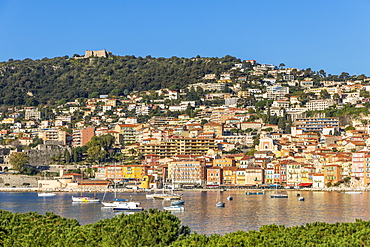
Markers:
{"x": 99, "y": 53}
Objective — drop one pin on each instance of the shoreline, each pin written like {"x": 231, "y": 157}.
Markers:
{"x": 331, "y": 189}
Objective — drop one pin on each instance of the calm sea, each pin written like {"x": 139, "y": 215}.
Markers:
{"x": 244, "y": 212}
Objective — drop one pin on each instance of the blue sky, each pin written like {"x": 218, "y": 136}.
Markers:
{"x": 333, "y": 35}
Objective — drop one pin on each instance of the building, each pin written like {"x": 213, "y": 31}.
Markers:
{"x": 32, "y": 113}
{"x": 276, "y": 92}
{"x": 81, "y": 136}
{"x": 128, "y": 132}
{"x": 188, "y": 172}
{"x": 314, "y": 124}
{"x": 319, "y": 105}
{"x": 53, "y": 136}
{"x": 332, "y": 174}
{"x": 214, "y": 175}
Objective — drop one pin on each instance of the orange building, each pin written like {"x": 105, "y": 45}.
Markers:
{"x": 214, "y": 175}
{"x": 332, "y": 174}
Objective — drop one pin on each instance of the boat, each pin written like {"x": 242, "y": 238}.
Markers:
{"x": 167, "y": 197}
{"x": 174, "y": 208}
{"x": 177, "y": 202}
{"x": 128, "y": 206}
{"x": 230, "y": 198}
{"x": 219, "y": 203}
{"x": 151, "y": 196}
{"x": 84, "y": 199}
{"x": 301, "y": 198}
{"x": 279, "y": 195}
{"x": 255, "y": 193}
{"x": 45, "y": 194}
{"x": 353, "y": 192}
{"x": 114, "y": 203}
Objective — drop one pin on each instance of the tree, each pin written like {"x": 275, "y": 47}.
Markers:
{"x": 19, "y": 161}
{"x": 67, "y": 156}
{"x": 96, "y": 153}
{"x": 282, "y": 123}
{"x": 324, "y": 94}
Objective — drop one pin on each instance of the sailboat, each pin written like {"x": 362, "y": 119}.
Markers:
{"x": 45, "y": 194}
{"x": 219, "y": 203}
{"x": 84, "y": 199}
{"x": 278, "y": 194}
{"x": 116, "y": 202}
{"x": 167, "y": 197}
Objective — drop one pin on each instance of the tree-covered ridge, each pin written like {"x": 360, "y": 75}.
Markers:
{"x": 49, "y": 80}
{"x": 157, "y": 228}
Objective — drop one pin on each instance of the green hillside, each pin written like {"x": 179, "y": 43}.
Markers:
{"x": 31, "y": 82}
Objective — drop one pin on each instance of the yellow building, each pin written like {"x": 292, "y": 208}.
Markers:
{"x": 133, "y": 171}
{"x": 213, "y": 127}
{"x": 8, "y": 121}
{"x": 225, "y": 162}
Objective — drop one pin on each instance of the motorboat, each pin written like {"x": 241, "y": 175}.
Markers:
{"x": 353, "y": 192}
{"x": 301, "y": 198}
{"x": 45, "y": 194}
{"x": 84, "y": 199}
{"x": 230, "y": 198}
{"x": 174, "y": 208}
{"x": 114, "y": 203}
{"x": 177, "y": 202}
{"x": 151, "y": 196}
{"x": 255, "y": 193}
{"x": 278, "y": 195}
{"x": 128, "y": 206}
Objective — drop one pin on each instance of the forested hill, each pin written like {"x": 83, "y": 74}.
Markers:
{"x": 29, "y": 82}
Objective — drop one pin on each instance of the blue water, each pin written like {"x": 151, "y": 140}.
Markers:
{"x": 245, "y": 212}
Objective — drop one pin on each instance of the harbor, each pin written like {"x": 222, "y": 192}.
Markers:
{"x": 244, "y": 212}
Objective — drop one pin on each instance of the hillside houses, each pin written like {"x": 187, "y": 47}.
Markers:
{"x": 246, "y": 126}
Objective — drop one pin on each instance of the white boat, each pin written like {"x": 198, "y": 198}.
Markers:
{"x": 219, "y": 203}
{"x": 301, "y": 198}
{"x": 278, "y": 195}
{"x": 84, "y": 199}
{"x": 45, "y": 194}
{"x": 353, "y": 192}
{"x": 128, "y": 206}
{"x": 174, "y": 208}
{"x": 113, "y": 204}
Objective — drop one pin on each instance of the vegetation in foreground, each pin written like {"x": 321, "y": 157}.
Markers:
{"x": 156, "y": 228}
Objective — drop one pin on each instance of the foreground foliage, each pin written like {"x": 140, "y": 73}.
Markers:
{"x": 155, "y": 228}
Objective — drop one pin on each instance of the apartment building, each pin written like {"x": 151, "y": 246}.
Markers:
{"x": 53, "y": 136}
{"x": 315, "y": 124}
{"x": 81, "y": 136}
{"x": 188, "y": 172}
{"x": 319, "y": 105}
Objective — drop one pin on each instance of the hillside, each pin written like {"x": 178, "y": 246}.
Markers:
{"x": 31, "y": 82}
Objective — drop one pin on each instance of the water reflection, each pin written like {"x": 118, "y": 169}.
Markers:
{"x": 244, "y": 212}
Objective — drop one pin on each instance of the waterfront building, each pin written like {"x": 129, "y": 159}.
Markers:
{"x": 214, "y": 175}
{"x": 188, "y": 172}
{"x": 332, "y": 174}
